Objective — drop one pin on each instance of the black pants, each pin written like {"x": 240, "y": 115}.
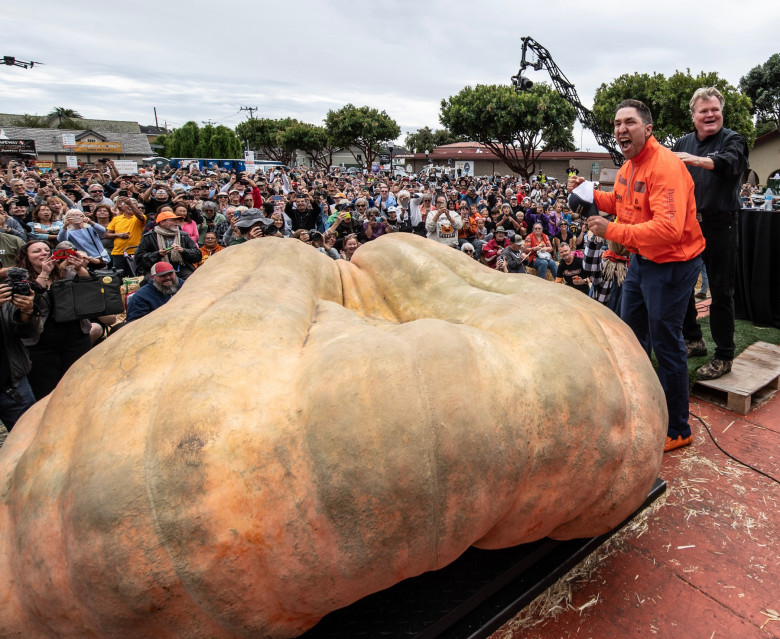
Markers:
{"x": 51, "y": 362}
{"x": 720, "y": 258}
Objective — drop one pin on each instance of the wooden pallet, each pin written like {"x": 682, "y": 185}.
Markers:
{"x": 754, "y": 378}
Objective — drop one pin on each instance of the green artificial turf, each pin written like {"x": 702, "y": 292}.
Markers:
{"x": 745, "y": 334}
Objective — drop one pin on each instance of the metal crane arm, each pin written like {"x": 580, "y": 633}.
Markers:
{"x": 565, "y": 89}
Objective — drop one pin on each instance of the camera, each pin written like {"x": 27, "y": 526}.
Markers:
{"x": 23, "y": 200}
{"x": 18, "y": 279}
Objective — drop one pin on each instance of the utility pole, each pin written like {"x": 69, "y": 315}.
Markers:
{"x": 251, "y": 111}
{"x": 208, "y": 122}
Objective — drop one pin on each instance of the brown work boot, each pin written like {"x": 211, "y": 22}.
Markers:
{"x": 715, "y": 369}
{"x": 696, "y": 348}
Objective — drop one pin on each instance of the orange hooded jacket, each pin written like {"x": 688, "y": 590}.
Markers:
{"x": 655, "y": 207}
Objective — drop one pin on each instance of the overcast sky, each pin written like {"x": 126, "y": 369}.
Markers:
{"x": 202, "y": 61}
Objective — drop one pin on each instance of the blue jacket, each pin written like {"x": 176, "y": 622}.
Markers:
{"x": 145, "y": 300}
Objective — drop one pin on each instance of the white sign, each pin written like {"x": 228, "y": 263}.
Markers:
{"x": 71, "y": 161}
{"x": 126, "y": 167}
{"x": 409, "y": 168}
{"x": 249, "y": 156}
{"x": 250, "y": 167}
{"x": 69, "y": 140}
{"x": 466, "y": 168}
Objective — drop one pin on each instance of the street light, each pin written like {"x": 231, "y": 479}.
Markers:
{"x": 391, "y": 160}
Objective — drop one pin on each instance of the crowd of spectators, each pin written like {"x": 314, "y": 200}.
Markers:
{"x": 163, "y": 224}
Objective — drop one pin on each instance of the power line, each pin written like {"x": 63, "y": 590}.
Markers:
{"x": 250, "y": 109}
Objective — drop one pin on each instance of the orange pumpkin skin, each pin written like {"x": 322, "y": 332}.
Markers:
{"x": 290, "y": 434}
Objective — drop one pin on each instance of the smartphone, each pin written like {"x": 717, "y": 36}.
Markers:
{"x": 278, "y": 198}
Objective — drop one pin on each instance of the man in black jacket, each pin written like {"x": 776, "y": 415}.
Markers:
{"x": 166, "y": 242}
{"x": 716, "y": 158}
{"x": 18, "y": 319}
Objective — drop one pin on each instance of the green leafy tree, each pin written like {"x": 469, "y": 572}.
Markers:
{"x": 517, "y": 127}
{"x": 66, "y": 118}
{"x": 183, "y": 142}
{"x": 265, "y": 135}
{"x": 224, "y": 143}
{"x": 203, "y": 147}
{"x": 312, "y": 140}
{"x": 191, "y": 141}
{"x": 668, "y": 99}
{"x": 32, "y": 121}
{"x": 762, "y": 86}
{"x": 363, "y": 128}
{"x": 426, "y": 139}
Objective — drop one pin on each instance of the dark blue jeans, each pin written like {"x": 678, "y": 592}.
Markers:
{"x": 653, "y": 303}
{"x": 14, "y": 401}
{"x": 720, "y": 258}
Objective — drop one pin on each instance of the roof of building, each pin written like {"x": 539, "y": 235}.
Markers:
{"x": 153, "y": 130}
{"x": 112, "y": 126}
{"x": 50, "y": 140}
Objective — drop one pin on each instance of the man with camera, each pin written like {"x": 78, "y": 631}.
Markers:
{"x": 716, "y": 158}
{"x": 654, "y": 202}
{"x": 156, "y": 196}
{"x": 443, "y": 225}
{"x": 18, "y": 320}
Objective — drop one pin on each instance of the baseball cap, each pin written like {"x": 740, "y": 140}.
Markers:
{"x": 167, "y": 215}
{"x": 161, "y": 268}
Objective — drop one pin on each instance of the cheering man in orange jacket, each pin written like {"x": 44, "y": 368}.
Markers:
{"x": 656, "y": 220}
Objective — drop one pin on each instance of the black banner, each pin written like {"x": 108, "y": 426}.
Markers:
{"x": 22, "y": 147}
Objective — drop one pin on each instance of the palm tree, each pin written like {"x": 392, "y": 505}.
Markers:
{"x": 62, "y": 112}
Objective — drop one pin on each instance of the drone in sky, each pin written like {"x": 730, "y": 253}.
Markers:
{"x": 11, "y": 61}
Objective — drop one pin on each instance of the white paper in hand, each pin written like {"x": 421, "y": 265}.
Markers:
{"x": 585, "y": 191}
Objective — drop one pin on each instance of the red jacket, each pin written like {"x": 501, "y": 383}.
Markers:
{"x": 655, "y": 207}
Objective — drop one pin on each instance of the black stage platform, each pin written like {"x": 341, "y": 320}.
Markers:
{"x": 471, "y": 598}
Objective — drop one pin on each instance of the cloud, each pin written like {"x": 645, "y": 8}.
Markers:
{"x": 200, "y": 61}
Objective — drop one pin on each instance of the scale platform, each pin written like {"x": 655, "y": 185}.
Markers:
{"x": 469, "y": 599}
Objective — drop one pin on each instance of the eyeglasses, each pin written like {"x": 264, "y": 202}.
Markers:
{"x": 469, "y": 252}
{"x": 361, "y": 206}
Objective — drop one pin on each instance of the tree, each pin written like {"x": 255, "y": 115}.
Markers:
{"x": 190, "y": 141}
{"x": 668, "y": 99}
{"x": 223, "y": 144}
{"x": 517, "y": 127}
{"x": 425, "y": 139}
{"x": 312, "y": 140}
{"x": 265, "y": 135}
{"x": 762, "y": 86}
{"x": 65, "y": 117}
{"x": 32, "y": 121}
{"x": 362, "y": 127}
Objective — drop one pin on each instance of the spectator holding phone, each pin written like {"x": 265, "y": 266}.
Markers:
{"x": 59, "y": 344}
{"x": 85, "y": 236}
{"x": 375, "y": 225}
{"x": 126, "y": 230}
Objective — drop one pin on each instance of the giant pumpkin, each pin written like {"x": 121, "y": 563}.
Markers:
{"x": 290, "y": 434}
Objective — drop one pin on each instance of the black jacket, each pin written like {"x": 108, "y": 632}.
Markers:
{"x": 14, "y": 360}
{"x": 717, "y": 191}
{"x": 148, "y": 254}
